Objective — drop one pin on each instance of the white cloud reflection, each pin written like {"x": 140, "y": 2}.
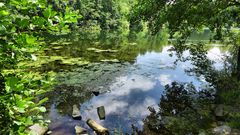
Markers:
{"x": 125, "y": 85}
{"x": 124, "y": 100}
{"x": 164, "y": 79}
{"x": 140, "y": 109}
{"x": 214, "y": 54}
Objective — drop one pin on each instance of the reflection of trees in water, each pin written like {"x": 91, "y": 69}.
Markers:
{"x": 64, "y": 97}
{"x": 184, "y": 110}
{"x": 126, "y": 49}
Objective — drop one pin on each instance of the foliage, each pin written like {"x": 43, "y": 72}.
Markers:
{"x": 184, "y": 15}
{"x": 97, "y": 14}
{"x": 21, "y": 23}
{"x": 182, "y": 18}
{"x": 182, "y": 110}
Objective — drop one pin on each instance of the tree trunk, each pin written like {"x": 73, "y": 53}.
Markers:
{"x": 238, "y": 64}
{"x": 2, "y": 84}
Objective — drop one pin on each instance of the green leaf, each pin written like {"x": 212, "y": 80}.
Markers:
{"x": 2, "y": 29}
{"x": 30, "y": 39}
{"x": 48, "y": 13}
{"x": 39, "y": 21}
{"x": 28, "y": 121}
{"x": 4, "y": 13}
{"x": 24, "y": 23}
{"x": 18, "y": 122}
{"x": 1, "y": 4}
{"x": 12, "y": 82}
{"x": 42, "y": 109}
{"x": 42, "y": 101}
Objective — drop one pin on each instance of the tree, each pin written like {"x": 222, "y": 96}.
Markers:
{"x": 185, "y": 16}
{"x": 21, "y": 25}
{"x": 102, "y": 13}
{"x": 182, "y": 17}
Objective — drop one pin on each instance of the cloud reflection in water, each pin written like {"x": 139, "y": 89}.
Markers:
{"x": 136, "y": 89}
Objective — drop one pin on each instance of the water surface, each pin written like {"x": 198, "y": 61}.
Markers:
{"x": 130, "y": 78}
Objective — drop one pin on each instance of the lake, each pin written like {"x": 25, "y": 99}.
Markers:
{"x": 126, "y": 77}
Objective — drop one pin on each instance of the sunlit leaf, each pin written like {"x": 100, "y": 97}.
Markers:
{"x": 42, "y": 109}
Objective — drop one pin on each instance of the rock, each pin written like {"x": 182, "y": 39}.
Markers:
{"x": 100, "y": 130}
{"x": 220, "y": 123}
{"x": 101, "y": 112}
{"x": 49, "y": 132}
{"x": 110, "y": 60}
{"x": 96, "y": 93}
{"x": 219, "y": 110}
{"x": 235, "y": 132}
{"x": 38, "y": 129}
{"x": 202, "y": 133}
{"x": 222, "y": 130}
{"x": 80, "y": 131}
{"x": 76, "y": 113}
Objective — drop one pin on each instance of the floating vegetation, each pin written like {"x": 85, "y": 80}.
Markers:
{"x": 110, "y": 60}
{"x": 61, "y": 43}
{"x": 92, "y": 75}
{"x": 53, "y": 61}
{"x": 100, "y": 50}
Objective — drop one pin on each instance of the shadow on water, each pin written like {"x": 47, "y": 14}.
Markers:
{"x": 128, "y": 77}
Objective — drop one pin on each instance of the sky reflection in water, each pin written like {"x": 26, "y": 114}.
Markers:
{"x": 132, "y": 92}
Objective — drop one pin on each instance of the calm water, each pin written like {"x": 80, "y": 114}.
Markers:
{"x": 127, "y": 86}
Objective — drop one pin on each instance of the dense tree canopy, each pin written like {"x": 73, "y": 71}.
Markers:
{"x": 186, "y": 15}
{"x": 24, "y": 25}
{"x": 182, "y": 17}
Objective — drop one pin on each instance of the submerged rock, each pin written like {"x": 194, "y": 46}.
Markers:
{"x": 76, "y": 113}
{"x": 80, "y": 131}
{"x": 38, "y": 129}
{"x": 222, "y": 130}
{"x": 100, "y": 130}
{"x": 101, "y": 112}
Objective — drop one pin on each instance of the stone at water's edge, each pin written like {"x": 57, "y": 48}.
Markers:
{"x": 76, "y": 113}
{"x": 100, "y": 130}
{"x": 80, "y": 131}
{"x": 96, "y": 93}
{"x": 222, "y": 130}
{"x": 49, "y": 132}
{"x": 37, "y": 129}
{"x": 219, "y": 111}
{"x": 101, "y": 112}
